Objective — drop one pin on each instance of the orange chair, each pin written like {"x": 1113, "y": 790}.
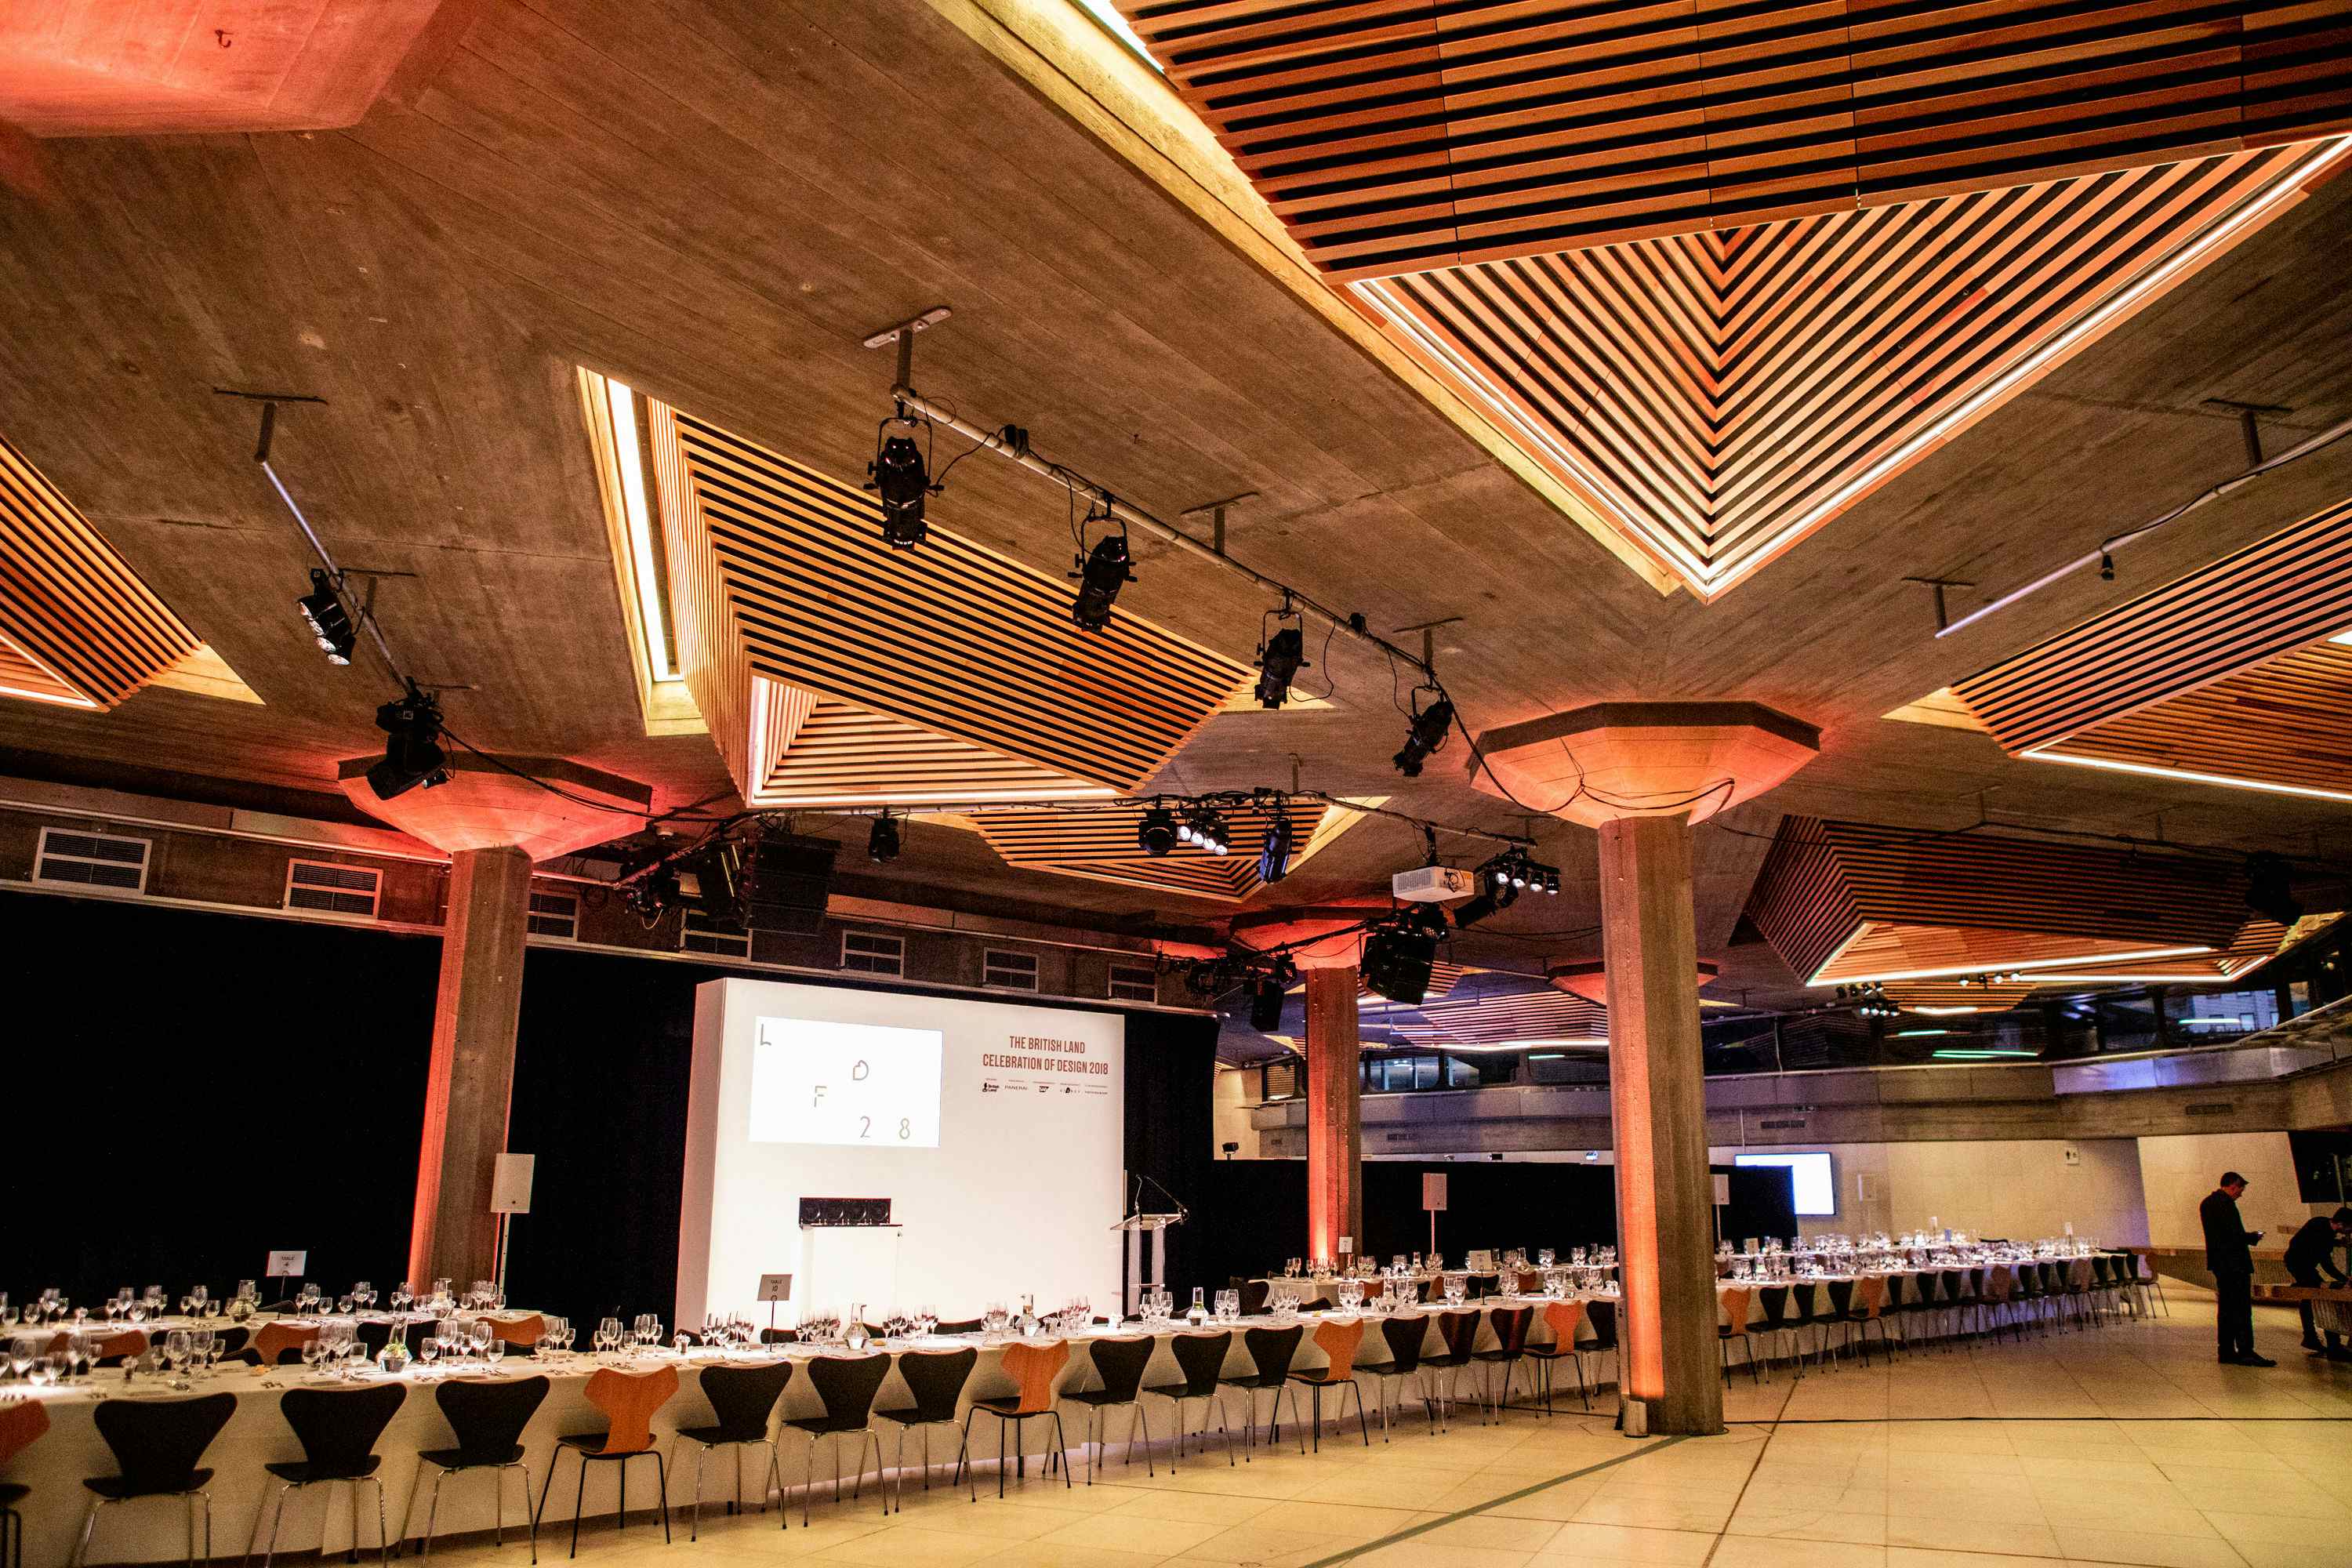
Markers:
{"x": 1033, "y": 1369}
{"x": 275, "y": 1338}
{"x": 1338, "y": 1340}
{"x": 113, "y": 1350}
{"x": 1734, "y": 1327}
{"x": 1564, "y": 1319}
{"x": 628, "y": 1400}
{"x": 519, "y": 1333}
{"x": 1867, "y": 1305}
{"x": 21, "y": 1421}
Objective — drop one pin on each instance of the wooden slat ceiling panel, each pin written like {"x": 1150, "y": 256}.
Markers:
{"x": 2281, "y": 724}
{"x": 1490, "y": 1020}
{"x": 1950, "y": 995}
{"x": 2257, "y": 942}
{"x": 1401, "y": 135}
{"x": 840, "y": 754}
{"x": 2270, "y": 599}
{"x": 82, "y": 627}
{"x": 1719, "y": 396}
{"x": 710, "y": 657}
{"x": 952, "y": 637}
{"x": 1101, "y": 842}
{"x": 1846, "y": 901}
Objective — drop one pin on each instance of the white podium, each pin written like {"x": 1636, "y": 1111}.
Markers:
{"x": 849, "y": 1265}
{"x": 1136, "y": 1226}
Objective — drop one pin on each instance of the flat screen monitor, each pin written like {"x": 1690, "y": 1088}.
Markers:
{"x": 1812, "y": 1177}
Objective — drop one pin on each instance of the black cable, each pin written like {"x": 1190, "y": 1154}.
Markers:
{"x": 504, "y": 766}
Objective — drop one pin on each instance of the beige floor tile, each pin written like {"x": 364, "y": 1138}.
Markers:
{"x": 2164, "y": 1551}
{"x": 1755, "y": 1552}
{"x": 1043, "y": 1554}
{"x": 1493, "y": 1531}
{"x": 911, "y": 1548}
{"x": 1121, "y": 1531}
{"x": 1616, "y": 1543}
{"x": 1971, "y": 1532}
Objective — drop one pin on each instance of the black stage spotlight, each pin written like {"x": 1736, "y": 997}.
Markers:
{"x": 1265, "y": 1004}
{"x": 2270, "y": 889}
{"x": 902, "y": 479}
{"x": 1427, "y": 735}
{"x": 882, "y": 840}
{"x": 411, "y": 748}
{"x": 1156, "y": 833}
{"x": 1274, "y": 860}
{"x": 1397, "y": 960}
{"x": 1278, "y": 663}
{"x": 322, "y": 611}
{"x": 712, "y": 881}
{"x": 1156, "y": 836}
{"x": 1101, "y": 575}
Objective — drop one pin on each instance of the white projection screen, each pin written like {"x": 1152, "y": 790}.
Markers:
{"x": 995, "y": 1129}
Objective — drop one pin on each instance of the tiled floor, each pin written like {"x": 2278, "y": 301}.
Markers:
{"x": 2124, "y": 1445}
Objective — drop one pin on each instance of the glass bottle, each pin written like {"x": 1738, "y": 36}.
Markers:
{"x": 1200, "y": 1312}
{"x": 394, "y": 1358}
{"x": 1026, "y": 1323}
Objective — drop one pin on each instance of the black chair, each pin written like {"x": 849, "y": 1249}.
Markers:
{"x": 1458, "y": 1331}
{"x": 1510, "y": 1325}
{"x": 780, "y": 1336}
{"x": 1600, "y": 1317}
{"x": 338, "y": 1429}
{"x": 961, "y": 1326}
{"x": 1404, "y": 1337}
{"x": 1120, "y": 1363}
{"x": 1773, "y": 1300}
{"x": 1803, "y": 1313}
{"x": 936, "y": 1379}
{"x": 1254, "y": 1294}
{"x": 486, "y": 1419}
{"x": 741, "y": 1399}
{"x": 1200, "y": 1358}
{"x": 847, "y": 1385}
{"x": 156, "y": 1444}
{"x": 1270, "y": 1351}
{"x": 22, "y": 1424}
{"x": 1485, "y": 1285}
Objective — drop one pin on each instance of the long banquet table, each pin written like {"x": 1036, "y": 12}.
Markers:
{"x": 154, "y": 1530}
{"x": 147, "y": 1532}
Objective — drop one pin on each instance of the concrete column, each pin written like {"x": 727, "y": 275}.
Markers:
{"x": 1665, "y": 1195}
{"x": 472, "y": 1073}
{"x": 1335, "y": 1121}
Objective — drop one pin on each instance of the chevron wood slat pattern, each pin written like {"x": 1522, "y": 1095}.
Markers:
{"x": 76, "y": 626}
{"x": 1099, "y": 842}
{"x": 2257, "y": 942}
{"x": 1546, "y": 1016}
{"x": 1394, "y": 136}
{"x": 832, "y": 670}
{"x": 2227, "y": 674}
{"x": 1846, "y": 901}
{"x": 1719, "y": 396}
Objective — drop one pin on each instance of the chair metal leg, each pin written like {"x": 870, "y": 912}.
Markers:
{"x": 661, "y": 1486}
{"x": 499, "y": 1513}
{"x": 577, "y": 1501}
{"x": 1062, "y": 1446}
{"x": 277, "y": 1518}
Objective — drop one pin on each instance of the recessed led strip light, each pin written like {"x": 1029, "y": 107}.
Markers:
{"x": 2039, "y": 966}
{"x": 638, "y": 512}
{"x": 2042, "y": 754}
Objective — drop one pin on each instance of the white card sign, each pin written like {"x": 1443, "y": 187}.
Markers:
{"x": 775, "y": 1287}
{"x": 286, "y": 1264}
{"x": 1433, "y": 1190}
{"x": 511, "y": 1184}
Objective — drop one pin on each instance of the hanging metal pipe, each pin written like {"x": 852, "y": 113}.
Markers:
{"x": 1136, "y": 517}
{"x": 2333, "y": 433}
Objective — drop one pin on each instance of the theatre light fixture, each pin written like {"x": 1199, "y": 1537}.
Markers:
{"x": 322, "y": 612}
{"x": 412, "y": 747}
{"x": 1399, "y": 955}
{"x": 1158, "y": 833}
{"x": 900, "y": 475}
{"x": 1274, "y": 860}
{"x": 1279, "y": 660}
{"x": 1426, "y": 735}
{"x": 1102, "y": 572}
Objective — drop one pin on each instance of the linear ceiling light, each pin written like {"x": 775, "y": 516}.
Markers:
{"x": 2044, "y": 754}
{"x": 638, "y": 512}
{"x": 2038, "y": 965}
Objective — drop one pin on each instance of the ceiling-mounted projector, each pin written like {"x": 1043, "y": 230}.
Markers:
{"x": 1432, "y": 884}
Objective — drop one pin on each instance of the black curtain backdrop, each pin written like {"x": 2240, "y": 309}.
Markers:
{"x": 189, "y": 1091}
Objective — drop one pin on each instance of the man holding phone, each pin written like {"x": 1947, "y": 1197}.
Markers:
{"x": 2230, "y": 1259}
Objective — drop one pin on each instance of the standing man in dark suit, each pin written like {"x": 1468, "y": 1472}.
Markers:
{"x": 2230, "y": 1259}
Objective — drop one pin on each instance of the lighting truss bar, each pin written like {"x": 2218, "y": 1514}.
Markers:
{"x": 1136, "y": 517}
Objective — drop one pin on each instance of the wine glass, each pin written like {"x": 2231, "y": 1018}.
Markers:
{"x": 484, "y": 1334}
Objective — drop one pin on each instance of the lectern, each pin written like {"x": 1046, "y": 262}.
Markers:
{"x": 1135, "y": 1224}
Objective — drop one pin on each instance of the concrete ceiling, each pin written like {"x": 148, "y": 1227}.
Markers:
{"x": 716, "y": 201}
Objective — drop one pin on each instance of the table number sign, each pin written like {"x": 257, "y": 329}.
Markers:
{"x": 286, "y": 1264}
{"x": 775, "y": 1287}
